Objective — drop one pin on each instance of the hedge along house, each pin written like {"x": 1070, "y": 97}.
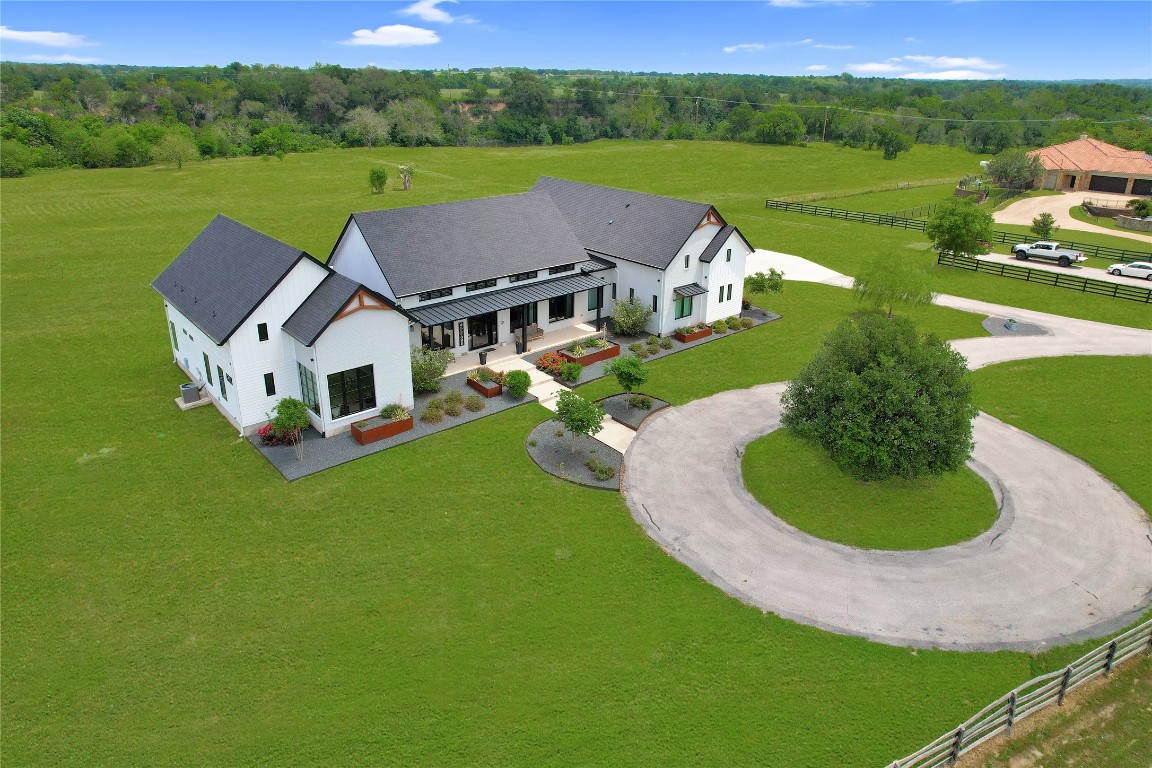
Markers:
{"x": 1088, "y": 164}
{"x": 253, "y": 320}
{"x": 480, "y": 274}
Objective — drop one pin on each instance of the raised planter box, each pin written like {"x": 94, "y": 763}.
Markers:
{"x": 486, "y": 388}
{"x": 684, "y": 338}
{"x": 377, "y": 428}
{"x": 594, "y": 356}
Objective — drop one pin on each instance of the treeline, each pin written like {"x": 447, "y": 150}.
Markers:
{"x": 104, "y": 116}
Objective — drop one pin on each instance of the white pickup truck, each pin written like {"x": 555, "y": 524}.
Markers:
{"x": 1046, "y": 249}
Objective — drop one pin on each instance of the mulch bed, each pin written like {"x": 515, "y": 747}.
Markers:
{"x": 618, "y": 407}
{"x": 564, "y": 456}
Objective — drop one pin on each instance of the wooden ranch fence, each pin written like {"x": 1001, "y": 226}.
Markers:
{"x": 1047, "y": 277}
{"x": 903, "y": 222}
{"x": 999, "y": 716}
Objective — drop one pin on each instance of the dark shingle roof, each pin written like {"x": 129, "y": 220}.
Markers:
{"x": 435, "y": 246}
{"x": 692, "y": 289}
{"x": 646, "y": 229}
{"x": 224, "y": 274}
{"x": 714, "y": 246}
{"x": 493, "y": 301}
{"x": 322, "y": 305}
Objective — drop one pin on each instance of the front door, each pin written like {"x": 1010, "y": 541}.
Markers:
{"x": 482, "y": 330}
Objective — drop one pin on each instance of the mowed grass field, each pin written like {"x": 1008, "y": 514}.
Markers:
{"x": 167, "y": 599}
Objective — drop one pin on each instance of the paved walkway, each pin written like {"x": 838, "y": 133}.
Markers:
{"x": 1023, "y": 211}
{"x": 1069, "y": 558}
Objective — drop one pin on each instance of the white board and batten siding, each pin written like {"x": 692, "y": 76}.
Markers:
{"x": 376, "y": 337}
{"x": 194, "y": 344}
{"x": 722, "y": 273}
{"x": 353, "y": 258}
{"x": 645, "y": 282}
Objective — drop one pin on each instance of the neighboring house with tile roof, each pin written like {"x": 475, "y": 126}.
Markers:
{"x": 252, "y": 320}
{"x": 470, "y": 276}
{"x": 1088, "y": 164}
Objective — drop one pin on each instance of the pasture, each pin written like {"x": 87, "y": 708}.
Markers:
{"x": 169, "y": 600}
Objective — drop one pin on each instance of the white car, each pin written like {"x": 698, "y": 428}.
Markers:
{"x": 1132, "y": 269}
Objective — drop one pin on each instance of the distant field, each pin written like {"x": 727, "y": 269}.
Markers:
{"x": 169, "y": 600}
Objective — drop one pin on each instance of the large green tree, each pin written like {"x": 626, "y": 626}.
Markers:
{"x": 579, "y": 416}
{"x": 959, "y": 227}
{"x": 885, "y": 401}
{"x": 889, "y": 282}
{"x": 1014, "y": 169}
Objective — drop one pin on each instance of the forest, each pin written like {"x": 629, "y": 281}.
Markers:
{"x": 99, "y": 116}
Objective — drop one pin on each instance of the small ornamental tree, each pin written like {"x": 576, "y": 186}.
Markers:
{"x": 407, "y": 171}
{"x": 579, "y": 416}
{"x": 1015, "y": 169}
{"x": 1044, "y": 225}
{"x": 890, "y": 282}
{"x": 290, "y": 417}
{"x": 629, "y": 372}
{"x": 1140, "y": 207}
{"x": 630, "y": 316}
{"x": 378, "y": 179}
{"x": 959, "y": 227}
{"x": 773, "y": 282}
{"x": 884, "y": 401}
{"x": 428, "y": 366}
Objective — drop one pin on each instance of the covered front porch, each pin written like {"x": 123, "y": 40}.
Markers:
{"x": 504, "y": 357}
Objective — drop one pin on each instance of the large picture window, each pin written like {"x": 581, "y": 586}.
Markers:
{"x": 595, "y": 298}
{"x": 308, "y": 389}
{"x": 683, "y": 306}
{"x": 351, "y": 391}
{"x": 437, "y": 336}
{"x": 561, "y": 308}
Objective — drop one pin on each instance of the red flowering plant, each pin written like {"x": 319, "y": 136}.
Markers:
{"x": 269, "y": 436}
{"x": 550, "y": 363}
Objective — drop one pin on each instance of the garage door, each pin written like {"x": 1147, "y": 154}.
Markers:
{"x": 1142, "y": 187}
{"x": 1108, "y": 184}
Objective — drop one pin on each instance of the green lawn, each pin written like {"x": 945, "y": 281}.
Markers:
{"x": 893, "y": 201}
{"x": 1077, "y": 212}
{"x": 795, "y": 479}
{"x": 167, "y": 599}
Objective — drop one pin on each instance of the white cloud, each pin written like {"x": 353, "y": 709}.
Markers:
{"x": 427, "y": 11}
{"x": 53, "y": 39}
{"x": 875, "y": 67}
{"x": 394, "y": 35}
{"x": 955, "y": 74}
{"x": 829, "y": 47}
{"x": 911, "y": 40}
{"x": 943, "y": 62}
{"x": 65, "y": 58}
{"x": 816, "y": 67}
{"x": 744, "y": 47}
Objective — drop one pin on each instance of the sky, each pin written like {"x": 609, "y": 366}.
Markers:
{"x": 934, "y": 39}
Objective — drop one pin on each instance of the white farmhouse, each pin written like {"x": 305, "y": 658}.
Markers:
{"x": 253, "y": 319}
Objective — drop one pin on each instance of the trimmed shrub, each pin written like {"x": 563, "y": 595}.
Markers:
{"x": 636, "y": 347}
{"x": 517, "y": 382}
{"x": 630, "y": 316}
{"x": 436, "y": 403}
{"x": 428, "y": 366}
{"x": 454, "y": 409}
{"x": 643, "y": 402}
{"x": 432, "y": 415}
{"x": 455, "y": 397}
{"x": 602, "y": 471}
{"x": 719, "y": 327}
{"x": 747, "y": 322}
{"x": 571, "y": 371}
{"x": 475, "y": 403}
{"x": 666, "y": 342}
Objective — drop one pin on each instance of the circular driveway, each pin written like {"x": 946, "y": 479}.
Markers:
{"x": 1023, "y": 211}
{"x": 1070, "y": 556}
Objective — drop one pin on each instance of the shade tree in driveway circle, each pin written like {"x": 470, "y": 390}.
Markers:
{"x": 579, "y": 416}
{"x": 884, "y": 401}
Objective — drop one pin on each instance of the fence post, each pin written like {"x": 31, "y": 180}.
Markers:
{"x": 1011, "y": 711}
{"x": 1064, "y": 685}
{"x": 954, "y": 754}
{"x": 1108, "y": 660}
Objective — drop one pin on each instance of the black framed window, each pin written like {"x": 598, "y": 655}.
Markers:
{"x": 351, "y": 391}
{"x": 729, "y": 256}
{"x": 207, "y": 368}
{"x": 561, "y": 268}
{"x": 729, "y": 291}
{"x": 480, "y": 285}
{"x": 683, "y": 306}
{"x": 262, "y": 331}
{"x": 308, "y": 388}
{"x": 429, "y": 295}
{"x": 653, "y": 304}
{"x": 175, "y": 340}
{"x": 269, "y": 384}
{"x": 223, "y": 386}
{"x": 631, "y": 293}
{"x": 561, "y": 307}
{"x": 522, "y": 276}
{"x": 438, "y": 336}
{"x": 595, "y": 298}
{"x": 686, "y": 257}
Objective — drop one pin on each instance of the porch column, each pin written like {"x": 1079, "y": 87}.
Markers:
{"x": 599, "y": 306}
{"x": 524, "y": 329}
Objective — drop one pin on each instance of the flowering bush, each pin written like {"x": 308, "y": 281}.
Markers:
{"x": 550, "y": 363}
{"x": 269, "y": 436}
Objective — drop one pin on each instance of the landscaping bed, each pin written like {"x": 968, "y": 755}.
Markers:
{"x": 621, "y": 408}
{"x": 559, "y": 453}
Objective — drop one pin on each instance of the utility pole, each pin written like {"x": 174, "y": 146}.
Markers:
{"x": 824, "y": 131}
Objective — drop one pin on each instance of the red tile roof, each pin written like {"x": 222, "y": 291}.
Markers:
{"x": 1092, "y": 155}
